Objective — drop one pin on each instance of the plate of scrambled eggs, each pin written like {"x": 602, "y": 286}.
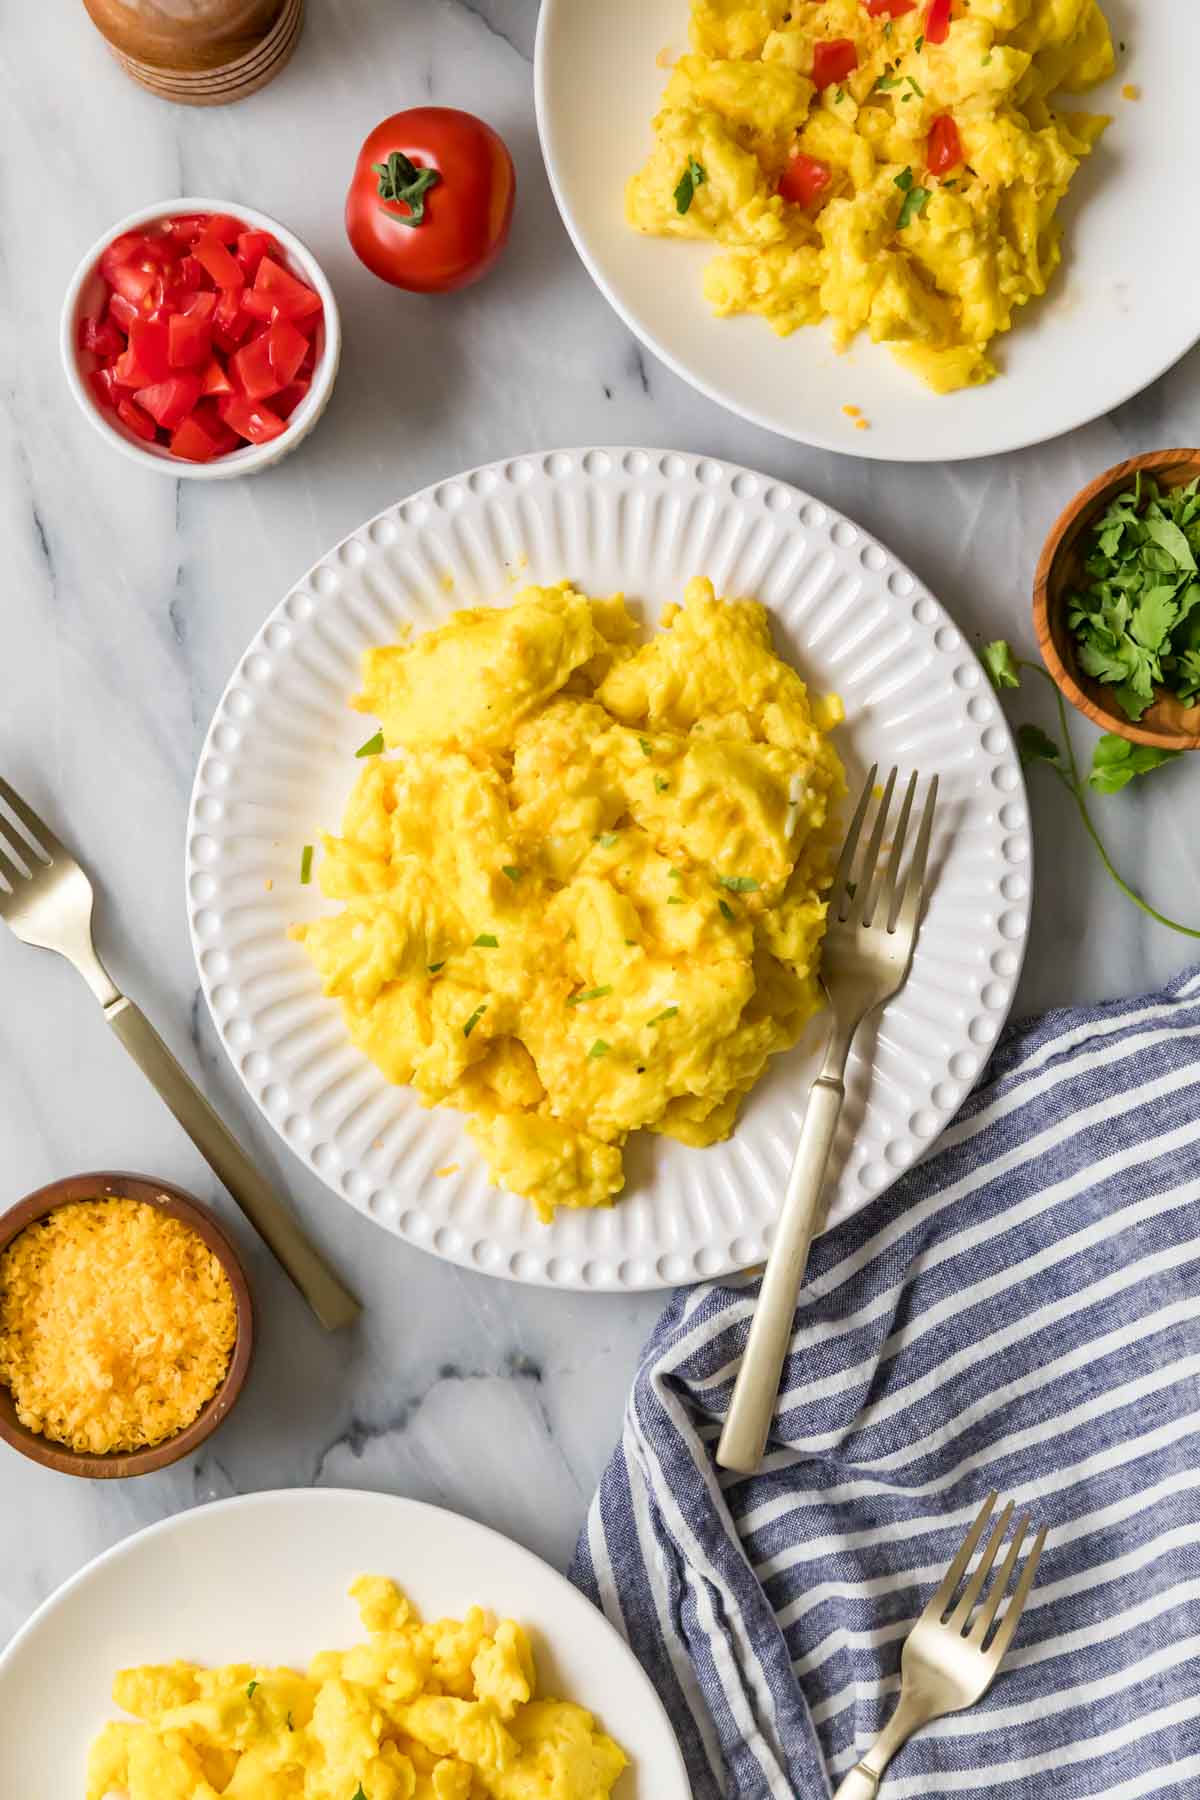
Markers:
{"x": 385, "y": 1650}
{"x": 906, "y": 229}
{"x": 507, "y": 858}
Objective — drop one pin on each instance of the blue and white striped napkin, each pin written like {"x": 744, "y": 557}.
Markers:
{"x": 1021, "y": 1311}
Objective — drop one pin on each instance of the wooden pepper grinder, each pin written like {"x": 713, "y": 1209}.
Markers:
{"x": 200, "y": 52}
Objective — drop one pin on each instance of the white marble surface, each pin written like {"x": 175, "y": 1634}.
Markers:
{"x": 127, "y": 597}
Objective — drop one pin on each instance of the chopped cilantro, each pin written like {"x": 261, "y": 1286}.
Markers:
{"x": 675, "y": 874}
{"x": 434, "y": 967}
{"x": 306, "y": 856}
{"x": 589, "y": 994}
{"x": 474, "y": 1019}
{"x": 661, "y": 784}
{"x": 887, "y": 30}
{"x": 606, "y": 839}
{"x": 486, "y": 941}
{"x": 914, "y": 202}
{"x": 599, "y": 1048}
{"x": 359, "y": 1795}
{"x": 250, "y": 1690}
{"x": 987, "y": 59}
{"x": 372, "y": 747}
{"x": 739, "y": 884}
{"x": 1001, "y": 665}
{"x": 840, "y": 95}
{"x": 888, "y": 81}
{"x": 916, "y": 87}
{"x": 920, "y": 44}
{"x": 727, "y": 911}
{"x": 511, "y": 870}
{"x": 668, "y": 1012}
{"x": 903, "y": 180}
{"x": 674, "y": 900}
{"x": 647, "y": 746}
{"x": 693, "y": 176}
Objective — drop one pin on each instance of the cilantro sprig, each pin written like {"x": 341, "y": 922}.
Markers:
{"x": 1136, "y": 619}
{"x": 1115, "y": 763}
{"x": 694, "y": 176}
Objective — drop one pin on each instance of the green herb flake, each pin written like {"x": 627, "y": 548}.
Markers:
{"x": 920, "y": 44}
{"x": 474, "y": 1019}
{"x": 727, "y": 911}
{"x": 250, "y": 1690}
{"x": 434, "y": 967}
{"x": 675, "y": 874}
{"x": 887, "y": 82}
{"x": 606, "y": 839}
{"x": 887, "y": 30}
{"x": 1000, "y": 665}
{"x": 668, "y": 1012}
{"x": 914, "y": 203}
{"x": 661, "y": 784}
{"x": 693, "y": 176}
{"x": 599, "y": 1048}
{"x": 739, "y": 884}
{"x": 485, "y": 941}
{"x": 514, "y": 874}
{"x": 674, "y": 900}
{"x": 290, "y": 1726}
{"x": 916, "y": 87}
{"x": 589, "y": 994}
{"x": 840, "y": 95}
{"x": 372, "y": 747}
{"x": 987, "y": 59}
{"x": 903, "y": 180}
{"x": 647, "y": 747}
{"x": 306, "y": 856}
{"x": 358, "y": 1795}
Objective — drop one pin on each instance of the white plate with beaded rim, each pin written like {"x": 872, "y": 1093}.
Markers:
{"x": 263, "y": 1578}
{"x": 278, "y": 764}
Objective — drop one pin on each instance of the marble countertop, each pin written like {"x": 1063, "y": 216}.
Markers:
{"x": 127, "y": 598}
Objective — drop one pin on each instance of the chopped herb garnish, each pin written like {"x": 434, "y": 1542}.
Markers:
{"x": 661, "y": 784}
{"x": 434, "y": 967}
{"x": 250, "y": 1690}
{"x": 359, "y": 1795}
{"x": 739, "y": 884}
{"x": 674, "y": 900}
{"x": 675, "y": 874}
{"x": 888, "y": 81}
{"x": 606, "y": 839}
{"x": 474, "y": 1019}
{"x": 647, "y": 746}
{"x": 840, "y": 95}
{"x": 485, "y": 941}
{"x": 589, "y": 994}
{"x": 887, "y": 30}
{"x": 727, "y": 911}
{"x": 668, "y": 1012}
{"x": 511, "y": 870}
{"x": 306, "y": 856}
{"x": 987, "y": 59}
{"x": 599, "y": 1048}
{"x": 903, "y": 180}
{"x": 914, "y": 202}
{"x": 693, "y": 176}
{"x": 290, "y": 1726}
{"x": 920, "y": 44}
{"x": 372, "y": 747}
{"x": 916, "y": 87}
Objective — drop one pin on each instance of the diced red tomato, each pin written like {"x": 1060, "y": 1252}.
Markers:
{"x": 293, "y": 298}
{"x": 945, "y": 149}
{"x": 169, "y": 402}
{"x": 252, "y": 246}
{"x": 215, "y": 379}
{"x": 189, "y": 341}
{"x": 192, "y": 442}
{"x": 937, "y": 21}
{"x": 803, "y": 179}
{"x": 196, "y": 325}
{"x": 286, "y": 349}
{"x": 250, "y": 419}
{"x": 101, "y": 337}
{"x": 138, "y": 421}
{"x": 833, "y": 60}
{"x": 289, "y": 398}
{"x": 892, "y": 9}
{"x": 225, "y": 269}
{"x": 146, "y": 359}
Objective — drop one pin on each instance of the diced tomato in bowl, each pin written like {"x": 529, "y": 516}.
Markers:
{"x": 202, "y": 339}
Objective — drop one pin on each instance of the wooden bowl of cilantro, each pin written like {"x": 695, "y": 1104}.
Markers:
{"x": 1116, "y": 600}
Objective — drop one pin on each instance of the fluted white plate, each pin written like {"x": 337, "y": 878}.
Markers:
{"x": 262, "y": 1578}
{"x": 278, "y": 765}
{"x": 1119, "y": 312}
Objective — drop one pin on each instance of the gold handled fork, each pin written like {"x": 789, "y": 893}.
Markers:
{"x": 865, "y": 958}
{"x": 46, "y": 900}
{"x": 947, "y": 1662}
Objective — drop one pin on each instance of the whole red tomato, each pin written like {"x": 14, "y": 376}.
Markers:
{"x": 431, "y": 201}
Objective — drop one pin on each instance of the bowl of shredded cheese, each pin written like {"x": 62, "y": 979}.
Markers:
{"x": 125, "y": 1325}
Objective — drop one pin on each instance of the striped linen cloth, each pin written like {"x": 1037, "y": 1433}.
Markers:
{"x": 1020, "y": 1312}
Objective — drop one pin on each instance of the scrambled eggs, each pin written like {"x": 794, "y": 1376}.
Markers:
{"x": 893, "y": 166}
{"x": 419, "y": 1712}
{"x": 584, "y": 897}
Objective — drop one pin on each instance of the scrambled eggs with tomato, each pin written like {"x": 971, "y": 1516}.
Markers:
{"x": 419, "y": 1712}
{"x": 582, "y": 896}
{"x": 894, "y": 166}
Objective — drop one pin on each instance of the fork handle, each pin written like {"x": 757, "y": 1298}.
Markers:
{"x": 333, "y": 1304}
{"x": 756, "y": 1389}
{"x": 914, "y": 1711}
{"x": 859, "y": 1784}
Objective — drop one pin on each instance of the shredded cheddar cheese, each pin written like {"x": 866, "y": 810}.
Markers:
{"x": 117, "y": 1324}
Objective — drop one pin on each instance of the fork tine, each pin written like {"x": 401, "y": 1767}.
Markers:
{"x": 908, "y": 905}
{"x": 39, "y": 834}
{"x": 974, "y": 1587}
{"x": 868, "y": 877}
{"x": 846, "y": 860}
{"x": 954, "y": 1574}
{"x": 887, "y": 898}
{"x": 1004, "y": 1635}
{"x": 9, "y": 869}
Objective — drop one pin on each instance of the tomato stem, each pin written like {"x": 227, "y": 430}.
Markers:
{"x": 401, "y": 182}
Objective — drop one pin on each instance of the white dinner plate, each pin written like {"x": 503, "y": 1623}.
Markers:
{"x": 1120, "y": 311}
{"x": 262, "y": 1578}
{"x": 278, "y": 765}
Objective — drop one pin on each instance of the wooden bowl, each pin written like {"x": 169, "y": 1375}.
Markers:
{"x": 110, "y": 1184}
{"x": 226, "y": 51}
{"x": 1167, "y": 724}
